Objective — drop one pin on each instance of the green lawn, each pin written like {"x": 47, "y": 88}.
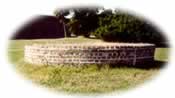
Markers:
{"x": 80, "y": 80}
{"x": 161, "y": 54}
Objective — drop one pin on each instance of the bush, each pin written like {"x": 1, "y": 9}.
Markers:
{"x": 123, "y": 27}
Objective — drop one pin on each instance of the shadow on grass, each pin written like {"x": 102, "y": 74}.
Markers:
{"x": 148, "y": 65}
{"x": 143, "y": 65}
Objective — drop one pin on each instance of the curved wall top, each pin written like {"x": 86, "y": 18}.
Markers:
{"x": 95, "y": 53}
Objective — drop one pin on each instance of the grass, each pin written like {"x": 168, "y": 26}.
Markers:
{"x": 81, "y": 80}
{"x": 161, "y": 54}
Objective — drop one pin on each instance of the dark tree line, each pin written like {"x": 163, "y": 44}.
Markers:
{"x": 41, "y": 27}
{"x": 124, "y": 27}
{"x": 110, "y": 25}
{"x": 82, "y": 22}
{"x": 105, "y": 24}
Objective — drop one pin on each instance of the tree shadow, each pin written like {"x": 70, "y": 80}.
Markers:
{"x": 146, "y": 65}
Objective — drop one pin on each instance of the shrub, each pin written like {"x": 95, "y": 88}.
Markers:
{"x": 126, "y": 28}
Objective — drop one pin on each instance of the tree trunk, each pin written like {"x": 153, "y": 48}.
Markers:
{"x": 65, "y": 32}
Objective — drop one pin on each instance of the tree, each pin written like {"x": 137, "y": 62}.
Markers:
{"x": 60, "y": 14}
{"x": 86, "y": 20}
{"x": 83, "y": 21}
{"x": 124, "y": 27}
{"x": 109, "y": 25}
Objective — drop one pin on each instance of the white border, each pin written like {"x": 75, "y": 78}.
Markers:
{"x": 16, "y": 12}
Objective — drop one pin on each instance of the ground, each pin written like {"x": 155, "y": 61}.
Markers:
{"x": 81, "y": 80}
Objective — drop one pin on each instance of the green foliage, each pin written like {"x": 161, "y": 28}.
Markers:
{"x": 110, "y": 26}
{"x": 74, "y": 27}
{"x": 124, "y": 27}
{"x": 84, "y": 21}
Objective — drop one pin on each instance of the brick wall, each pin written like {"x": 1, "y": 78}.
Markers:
{"x": 110, "y": 53}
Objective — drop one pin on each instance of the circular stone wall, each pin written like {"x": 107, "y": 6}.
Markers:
{"x": 108, "y": 53}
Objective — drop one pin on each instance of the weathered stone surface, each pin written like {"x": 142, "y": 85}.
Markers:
{"x": 112, "y": 53}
